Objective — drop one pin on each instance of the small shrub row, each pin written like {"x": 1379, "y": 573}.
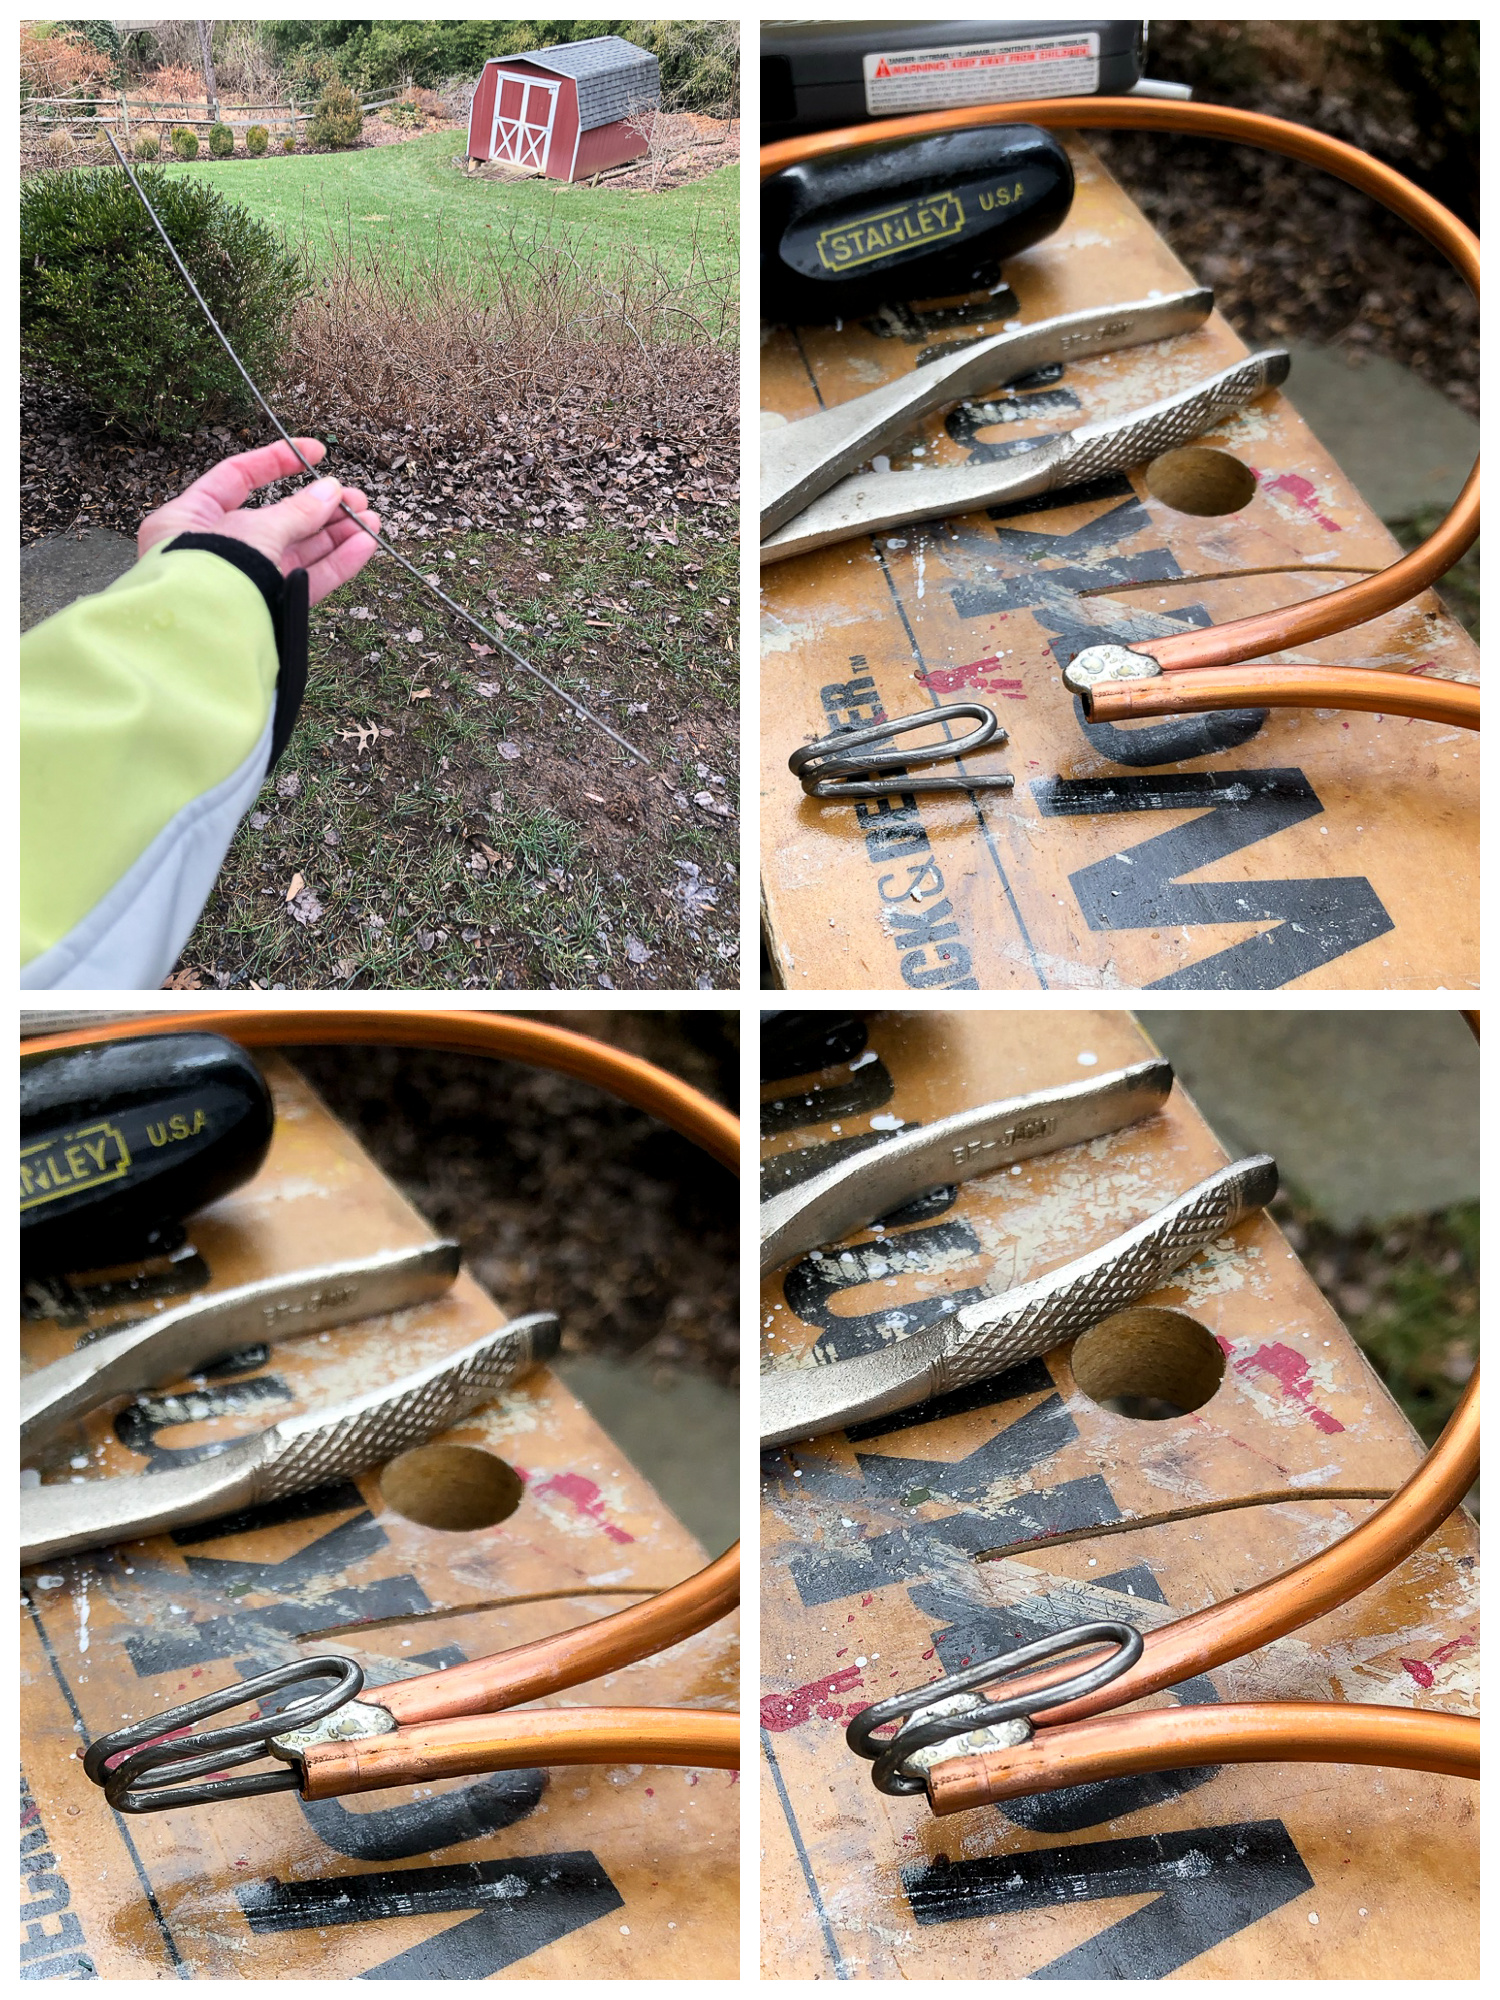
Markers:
{"x": 220, "y": 143}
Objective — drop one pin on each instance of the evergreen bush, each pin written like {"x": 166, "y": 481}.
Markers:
{"x": 221, "y": 141}
{"x": 338, "y": 121}
{"x": 184, "y": 142}
{"x": 105, "y": 314}
{"x": 257, "y": 138}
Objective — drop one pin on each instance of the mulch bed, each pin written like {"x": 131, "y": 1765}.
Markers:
{"x": 74, "y": 475}
{"x": 1290, "y": 252}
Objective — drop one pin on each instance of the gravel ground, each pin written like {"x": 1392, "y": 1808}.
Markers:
{"x": 564, "y": 1198}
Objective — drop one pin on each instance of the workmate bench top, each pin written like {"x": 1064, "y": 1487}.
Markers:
{"x": 870, "y": 1583}
{"x": 1307, "y": 849}
{"x": 594, "y": 1872}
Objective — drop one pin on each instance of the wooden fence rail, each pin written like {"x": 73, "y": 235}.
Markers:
{"x": 171, "y": 111}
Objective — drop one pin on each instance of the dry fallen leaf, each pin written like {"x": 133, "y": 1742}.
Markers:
{"x": 487, "y": 688}
{"x": 297, "y": 883}
{"x": 635, "y": 951}
{"x": 510, "y": 751}
{"x": 544, "y": 576}
{"x": 595, "y": 797}
{"x": 421, "y": 694}
{"x": 488, "y": 852}
{"x": 483, "y": 651}
{"x": 186, "y": 981}
{"x": 415, "y": 636}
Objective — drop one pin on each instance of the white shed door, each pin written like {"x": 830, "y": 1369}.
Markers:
{"x": 524, "y": 111}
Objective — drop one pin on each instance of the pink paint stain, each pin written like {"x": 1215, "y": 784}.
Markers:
{"x": 981, "y": 674}
{"x": 586, "y": 1497}
{"x": 779, "y": 1712}
{"x": 1290, "y": 1369}
{"x": 1302, "y": 493}
{"x": 1421, "y": 1670}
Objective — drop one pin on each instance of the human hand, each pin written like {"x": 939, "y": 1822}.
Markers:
{"x": 304, "y": 531}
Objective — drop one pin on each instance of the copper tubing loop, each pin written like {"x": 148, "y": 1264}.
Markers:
{"x": 511, "y": 1037}
{"x": 1270, "y": 1610}
{"x": 543, "y": 1666}
{"x": 518, "y": 1741}
{"x": 1269, "y": 1732}
{"x": 524, "y": 1672}
{"x": 1285, "y": 687}
{"x": 1315, "y": 618}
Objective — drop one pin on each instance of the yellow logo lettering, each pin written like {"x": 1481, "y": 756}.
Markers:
{"x": 65, "y": 1162}
{"x": 889, "y": 231}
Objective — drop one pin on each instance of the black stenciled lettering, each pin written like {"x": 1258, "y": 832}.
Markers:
{"x": 920, "y": 933}
{"x": 1137, "y": 889}
{"x": 1207, "y": 1884}
{"x": 893, "y": 833}
{"x": 812, "y": 1285}
{"x": 52, "y": 1940}
{"x": 524, "y": 1903}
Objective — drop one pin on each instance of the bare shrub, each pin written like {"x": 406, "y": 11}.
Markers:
{"x": 471, "y": 354}
{"x": 416, "y": 108}
{"x": 62, "y": 63}
{"x": 672, "y": 139}
{"x": 456, "y": 96}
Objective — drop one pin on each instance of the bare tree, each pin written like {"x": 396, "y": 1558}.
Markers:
{"x": 205, "y": 45}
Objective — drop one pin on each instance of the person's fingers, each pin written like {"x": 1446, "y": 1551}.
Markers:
{"x": 277, "y": 530}
{"x": 311, "y": 551}
{"x": 343, "y": 563}
{"x": 229, "y": 484}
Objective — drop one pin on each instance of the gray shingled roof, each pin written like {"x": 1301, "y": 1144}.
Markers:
{"x": 614, "y": 77}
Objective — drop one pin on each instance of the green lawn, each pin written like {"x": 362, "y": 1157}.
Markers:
{"x": 411, "y": 199}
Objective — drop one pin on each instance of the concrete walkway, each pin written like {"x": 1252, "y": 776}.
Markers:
{"x": 59, "y": 568}
{"x": 1371, "y": 1115}
{"x": 1405, "y": 446}
{"x": 681, "y": 1431}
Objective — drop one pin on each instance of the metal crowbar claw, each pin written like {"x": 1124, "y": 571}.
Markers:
{"x": 299, "y": 1452}
{"x": 992, "y": 1334}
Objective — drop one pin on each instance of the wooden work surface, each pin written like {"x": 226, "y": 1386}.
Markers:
{"x": 869, "y": 1586}
{"x": 1319, "y": 849}
{"x": 610, "y": 1872}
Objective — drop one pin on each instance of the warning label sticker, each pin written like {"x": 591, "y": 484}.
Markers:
{"x": 980, "y": 73}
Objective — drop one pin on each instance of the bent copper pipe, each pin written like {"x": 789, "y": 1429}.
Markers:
{"x": 519, "y": 1741}
{"x": 507, "y": 1037}
{"x": 1215, "y": 686}
{"x": 522, "y": 1673}
{"x": 1176, "y": 1739}
{"x": 1255, "y": 1617}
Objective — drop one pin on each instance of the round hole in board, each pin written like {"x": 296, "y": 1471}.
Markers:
{"x": 456, "y": 1487}
{"x": 1149, "y": 1363}
{"x": 1200, "y": 480}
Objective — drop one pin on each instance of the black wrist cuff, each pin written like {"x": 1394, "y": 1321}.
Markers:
{"x": 286, "y": 600}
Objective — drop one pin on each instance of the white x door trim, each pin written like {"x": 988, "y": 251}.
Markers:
{"x": 524, "y": 139}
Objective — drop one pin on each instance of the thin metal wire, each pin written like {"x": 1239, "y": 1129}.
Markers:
{"x": 378, "y": 539}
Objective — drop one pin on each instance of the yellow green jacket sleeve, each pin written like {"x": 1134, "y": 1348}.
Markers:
{"x": 149, "y": 718}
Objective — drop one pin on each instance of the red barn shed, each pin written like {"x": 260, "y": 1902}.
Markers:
{"x": 565, "y": 110}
